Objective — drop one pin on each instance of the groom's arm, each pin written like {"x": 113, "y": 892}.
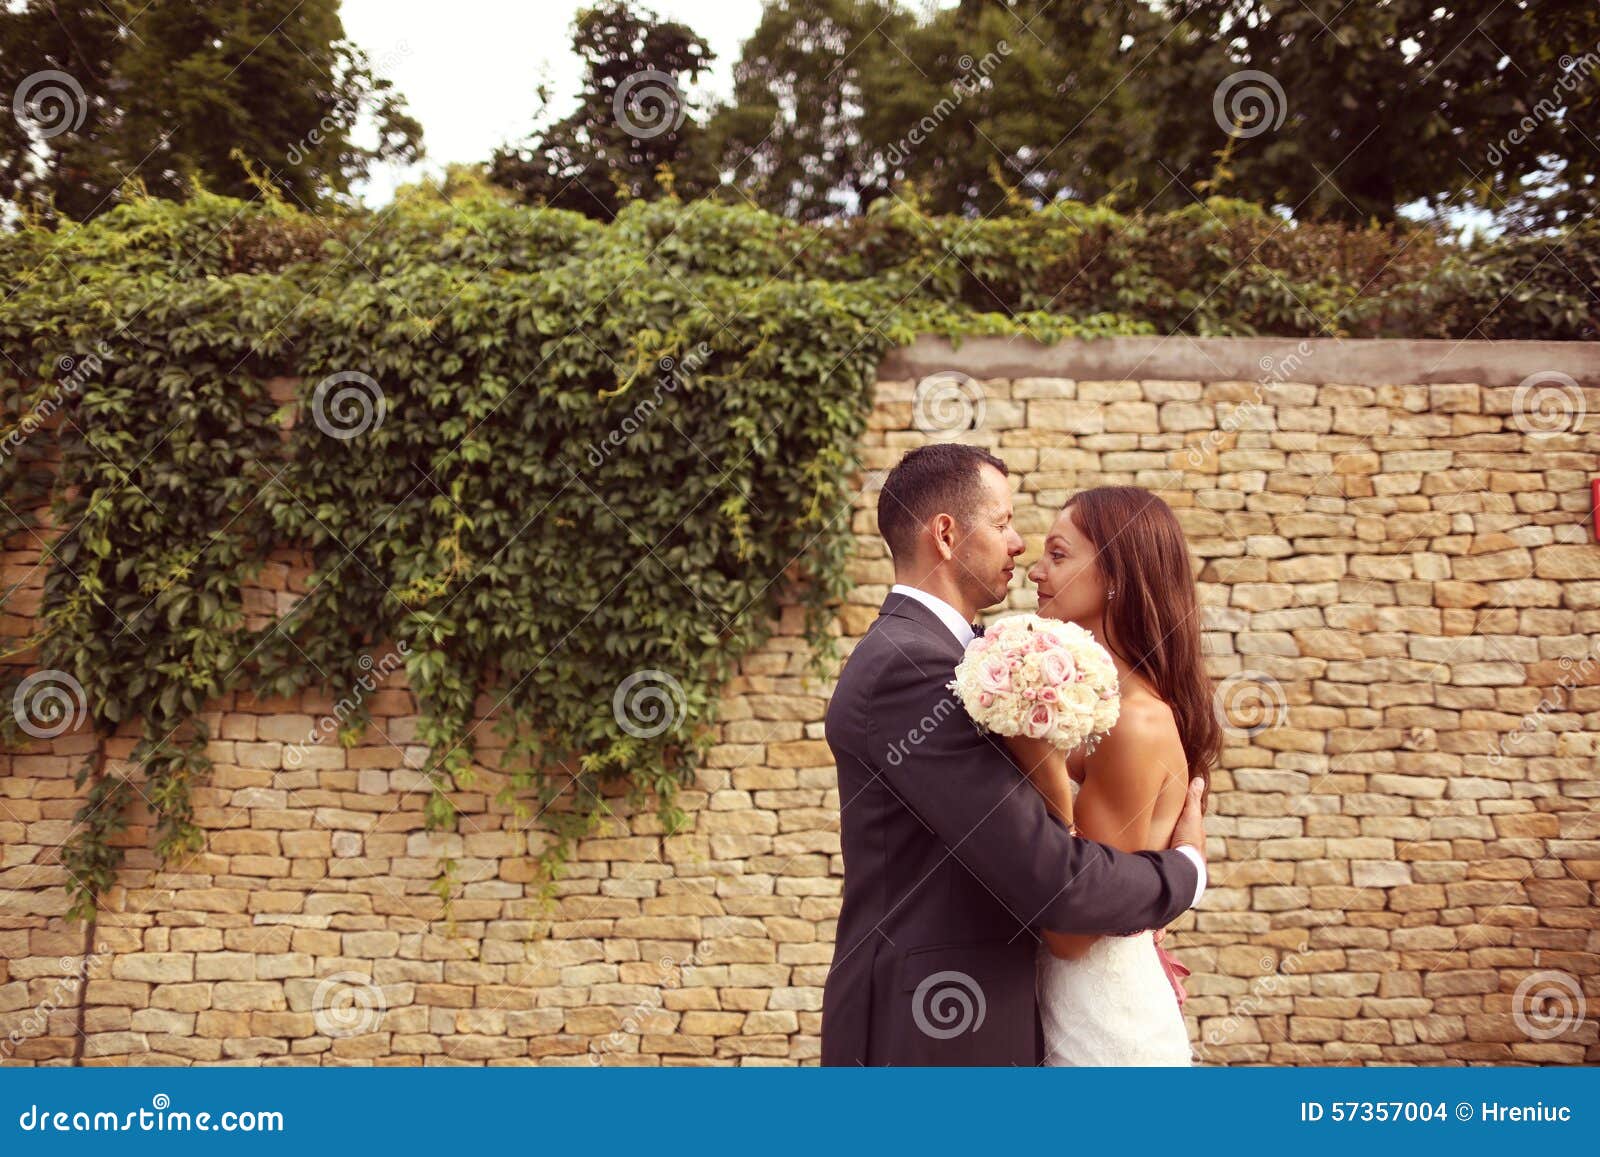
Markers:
{"x": 964, "y": 787}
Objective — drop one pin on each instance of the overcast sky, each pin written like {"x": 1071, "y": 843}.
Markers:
{"x": 469, "y": 68}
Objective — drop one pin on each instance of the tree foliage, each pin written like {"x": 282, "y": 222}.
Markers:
{"x": 1318, "y": 109}
{"x": 161, "y": 95}
{"x": 1487, "y": 105}
{"x": 632, "y": 121}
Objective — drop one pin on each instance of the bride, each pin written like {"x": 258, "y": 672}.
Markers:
{"x": 1116, "y": 562}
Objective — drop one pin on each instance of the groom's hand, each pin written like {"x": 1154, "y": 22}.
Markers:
{"x": 1191, "y": 826}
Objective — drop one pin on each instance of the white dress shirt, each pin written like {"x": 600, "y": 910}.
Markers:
{"x": 948, "y": 615}
{"x": 962, "y": 630}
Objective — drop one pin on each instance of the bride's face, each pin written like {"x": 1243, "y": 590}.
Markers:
{"x": 1069, "y": 581}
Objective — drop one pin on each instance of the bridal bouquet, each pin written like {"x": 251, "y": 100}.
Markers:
{"x": 1042, "y": 678}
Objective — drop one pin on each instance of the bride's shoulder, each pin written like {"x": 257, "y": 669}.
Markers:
{"x": 1145, "y": 733}
{"x": 1146, "y": 714}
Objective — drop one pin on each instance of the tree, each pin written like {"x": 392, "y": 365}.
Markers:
{"x": 838, "y": 102}
{"x": 632, "y": 119}
{"x": 108, "y": 93}
{"x": 795, "y": 135}
{"x": 1327, "y": 110}
{"x": 1040, "y": 98}
{"x": 1349, "y": 112}
{"x": 1320, "y": 109}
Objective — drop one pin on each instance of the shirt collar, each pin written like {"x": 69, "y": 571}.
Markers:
{"x": 948, "y": 615}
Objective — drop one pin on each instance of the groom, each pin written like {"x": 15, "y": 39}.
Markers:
{"x": 952, "y": 864}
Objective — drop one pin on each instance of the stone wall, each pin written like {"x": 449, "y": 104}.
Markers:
{"x": 1395, "y": 557}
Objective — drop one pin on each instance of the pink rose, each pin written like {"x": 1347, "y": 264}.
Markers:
{"x": 1042, "y": 642}
{"x": 980, "y": 644}
{"x": 994, "y": 675}
{"x": 1047, "y": 695}
{"x": 1041, "y": 719}
{"x": 1057, "y": 667}
{"x": 985, "y": 699}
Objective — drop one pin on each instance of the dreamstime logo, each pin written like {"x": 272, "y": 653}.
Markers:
{"x": 50, "y": 103}
{"x": 1249, "y": 103}
{"x": 648, "y": 104}
{"x": 900, "y": 748}
{"x": 947, "y": 1004}
{"x": 673, "y": 375}
{"x": 347, "y": 404}
{"x": 48, "y": 703}
{"x": 947, "y": 402}
{"x": 1218, "y": 1033}
{"x": 155, "y": 1119}
{"x": 648, "y": 703}
{"x": 1547, "y": 403}
{"x": 1548, "y": 1004}
{"x": 374, "y": 672}
{"x": 1577, "y": 673}
{"x": 964, "y": 86}
{"x": 75, "y": 371}
{"x": 1263, "y": 988}
{"x": 1576, "y": 71}
{"x": 347, "y": 1004}
{"x": 1253, "y": 696}
{"x": 1274, "y": 372}
{"x": 673, "y": 974}
{"x": 344, "y": 111}
{"x": 77, "y": 970}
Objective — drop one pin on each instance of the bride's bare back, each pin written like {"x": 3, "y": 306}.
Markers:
{"x": 1155, "y": 744}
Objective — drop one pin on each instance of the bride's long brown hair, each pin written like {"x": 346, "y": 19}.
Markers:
{"x": 1153, "y": 621}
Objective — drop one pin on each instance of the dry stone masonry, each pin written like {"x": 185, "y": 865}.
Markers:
{"x": 1397, "y": 565}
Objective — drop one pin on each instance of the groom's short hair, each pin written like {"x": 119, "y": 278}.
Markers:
{"x": 940, "y": 478}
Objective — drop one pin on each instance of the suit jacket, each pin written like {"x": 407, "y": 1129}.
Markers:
{"x": 952, "y": 865}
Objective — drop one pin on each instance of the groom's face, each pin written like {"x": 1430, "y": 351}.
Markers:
{"x": 989, "y": 546}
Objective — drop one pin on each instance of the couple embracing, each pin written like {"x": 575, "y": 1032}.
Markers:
{"x": 1004, "y": 901}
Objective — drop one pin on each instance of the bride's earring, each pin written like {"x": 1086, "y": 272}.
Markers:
{"x": 1111, "y": 594}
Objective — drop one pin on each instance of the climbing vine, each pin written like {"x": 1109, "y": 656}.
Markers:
{"x": 569, "y": 471}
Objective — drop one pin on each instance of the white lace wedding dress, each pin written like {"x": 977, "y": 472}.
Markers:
{"x": 1114, "y": 1005}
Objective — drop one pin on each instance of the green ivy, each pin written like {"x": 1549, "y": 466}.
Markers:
{"x": 554, "y": 462}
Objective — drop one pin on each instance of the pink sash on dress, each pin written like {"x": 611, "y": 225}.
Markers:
{"x": 1175, "y": 970}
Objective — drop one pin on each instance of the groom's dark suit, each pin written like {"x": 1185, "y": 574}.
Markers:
{"x": 952, "y": 864}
